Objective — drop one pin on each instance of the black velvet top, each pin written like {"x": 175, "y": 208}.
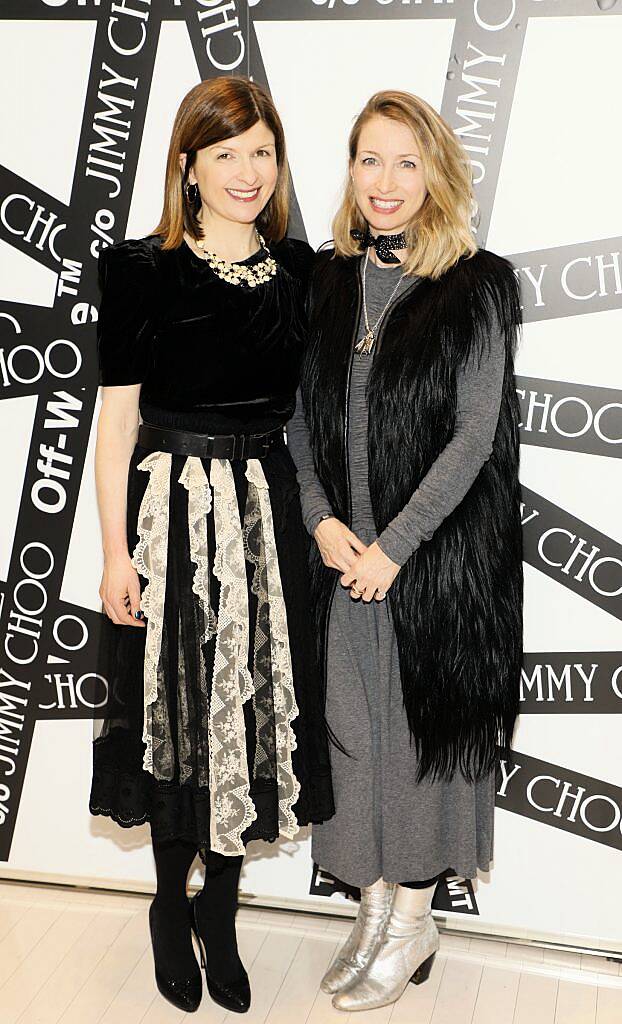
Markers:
{"x": 211, "y": 356}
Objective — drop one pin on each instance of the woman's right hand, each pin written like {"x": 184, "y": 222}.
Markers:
{"x": 339, "y": 547}
{"x": 120, "y": 591}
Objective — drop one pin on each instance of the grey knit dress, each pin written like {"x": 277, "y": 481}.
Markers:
{"x": 386, "y": 824}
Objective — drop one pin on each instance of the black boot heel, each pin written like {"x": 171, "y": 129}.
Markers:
{"x": 235, "y": 995}
{"x": 184, "y": 993}
{"x": 423, "y": 971}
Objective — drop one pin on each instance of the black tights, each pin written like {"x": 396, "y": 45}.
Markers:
{"x": 216, "y": 906}
{"x": 173, "y": 861}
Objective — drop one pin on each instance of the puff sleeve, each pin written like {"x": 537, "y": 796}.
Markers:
{"x": 128, "y": 280}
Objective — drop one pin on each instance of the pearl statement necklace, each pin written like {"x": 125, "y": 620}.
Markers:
{"x": 237, "y": 273}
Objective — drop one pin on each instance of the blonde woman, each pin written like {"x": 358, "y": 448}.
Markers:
{"x": 213, "y": 732}
{"x": 407, "y": 449}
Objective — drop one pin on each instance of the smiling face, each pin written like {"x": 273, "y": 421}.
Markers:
{"x": 237, "y": 177}
{"x": 387, "y": 175}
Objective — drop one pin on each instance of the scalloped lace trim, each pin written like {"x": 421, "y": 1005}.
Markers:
{"x": 232, "y": 685}
{"x": 150, "y": 559}
{"x": 285, "y": 706}
{"x": 263, "y": 704}
{"x": 194, "y": 478}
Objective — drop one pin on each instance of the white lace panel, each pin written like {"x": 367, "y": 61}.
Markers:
{"x": 285, "y": 707}
{"x": 150, "y": 559}
{"x": 232, "y": 809}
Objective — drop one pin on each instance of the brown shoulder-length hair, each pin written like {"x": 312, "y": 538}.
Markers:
{"x": 440, "y": 232}
{"x": 215, "y": 110}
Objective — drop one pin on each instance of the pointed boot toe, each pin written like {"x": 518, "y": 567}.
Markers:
{"x": 358, "y": 949}
{"x": 406, "y": 954}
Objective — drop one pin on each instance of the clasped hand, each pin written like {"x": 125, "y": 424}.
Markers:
{"x": 367, "y": 571}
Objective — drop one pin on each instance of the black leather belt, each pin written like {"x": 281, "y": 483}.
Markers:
{"x": 208, "y": 446}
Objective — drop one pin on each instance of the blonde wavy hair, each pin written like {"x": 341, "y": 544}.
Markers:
{"x": 440, "y": 232}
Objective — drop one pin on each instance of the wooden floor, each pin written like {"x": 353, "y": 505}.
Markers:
{"x": 84, "y": 958}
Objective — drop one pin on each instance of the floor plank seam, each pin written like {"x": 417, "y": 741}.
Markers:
{"x": 58, "y": 966}
{"x": 287, "y": 985}
{"x": 479, "y": 985}
{"x": 18, "y": 965}
{"x": 86, "y": 981}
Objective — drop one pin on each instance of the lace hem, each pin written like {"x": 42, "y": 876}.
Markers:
{"x": 183, "y": 812}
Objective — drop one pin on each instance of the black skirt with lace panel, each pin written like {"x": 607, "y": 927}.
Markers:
{"x": 213, "y": 729}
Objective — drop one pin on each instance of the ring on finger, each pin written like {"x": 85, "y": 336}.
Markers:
{"x": 355, "y": 593}
{"x": 380, "y": 594}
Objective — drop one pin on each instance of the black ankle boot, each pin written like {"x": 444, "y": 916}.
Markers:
{"x": 232, "y": 994}
{"x": 183, "y": 992}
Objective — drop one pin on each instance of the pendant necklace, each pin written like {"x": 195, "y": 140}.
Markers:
{"x": 365, "y": 345}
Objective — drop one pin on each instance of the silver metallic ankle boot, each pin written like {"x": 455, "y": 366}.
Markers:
{"x": 359, "y": 947}
{"x": 406, "y": 953}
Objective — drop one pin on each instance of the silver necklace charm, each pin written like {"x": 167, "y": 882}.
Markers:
{"x": 365, "y": 345}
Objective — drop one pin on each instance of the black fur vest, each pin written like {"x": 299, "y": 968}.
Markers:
{"x": 457, "y": 602}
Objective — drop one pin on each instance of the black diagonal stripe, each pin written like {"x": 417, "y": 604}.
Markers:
{"x": 29, "y": 356}
{"x": 455, "y": 895}
{"x": 570, "y": 417}
{"x": 43, "y": 530}
{"x": 257, "y": 72}
{"x": 569, "y": 280}
{"x": 572, "y": 683}
{"x": 75, "y": 680}
{"x": 219, "y": 37}
{"x": 479, "y": 89}
{"x": 586, "y": 807}
{"x": 31, "y": 220}
{"x": 572, "y": 552}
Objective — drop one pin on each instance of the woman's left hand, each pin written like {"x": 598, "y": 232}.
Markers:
{"x": 371, "y": 575}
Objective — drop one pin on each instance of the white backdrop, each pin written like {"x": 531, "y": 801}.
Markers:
{"x": 547, "y": 202}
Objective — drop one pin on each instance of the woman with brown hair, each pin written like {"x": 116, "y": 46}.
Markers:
{"x": 213, "y": 731}
{"x": 407, "y": 457}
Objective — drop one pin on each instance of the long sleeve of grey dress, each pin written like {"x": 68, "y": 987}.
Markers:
{"x": 387, "y": 824}
{"x": 448, "y": 479}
